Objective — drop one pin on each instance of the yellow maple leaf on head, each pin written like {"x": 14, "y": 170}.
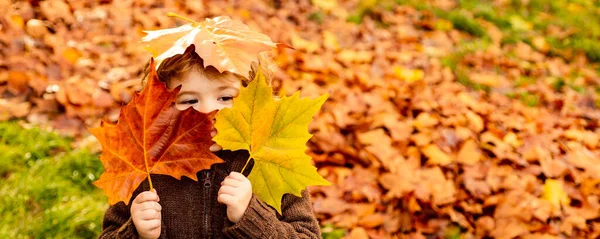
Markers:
{"x": 275, "y": 133}
{"x": 226, "y": 44}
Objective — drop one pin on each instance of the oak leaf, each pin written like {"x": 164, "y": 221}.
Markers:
{"x": 152, "y": 137}
{"x": 275, "y": 133}
{"x": 226, "y": 44}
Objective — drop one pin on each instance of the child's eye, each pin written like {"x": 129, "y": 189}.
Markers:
{"x": 189, "y": 102}
{"x": 225, "y": 98}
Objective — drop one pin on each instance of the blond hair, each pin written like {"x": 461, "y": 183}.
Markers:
{"x": 178, "y": 65}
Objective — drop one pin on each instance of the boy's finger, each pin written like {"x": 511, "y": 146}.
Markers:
{"x": 215, "y": 147}
{"x": 146, "y": 196}
{"x": 213, "y": 132}
{"x": 154, "y": 191}
{"x": 237, "y": 176}
{"x": 153, "y": 224}
{"x": 225, "y": 199}
{"x": 150, "y": 214}
{"x": 231, "y": 182}
{"x": 150, "y": 205}
{"x": 227, "y": 190}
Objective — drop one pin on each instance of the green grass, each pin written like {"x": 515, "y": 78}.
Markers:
{"x": 330, "y": 232}
{"x": 46, "y": 187}
{"x": 521, "y": 21}
{"x": 462, "y": 20}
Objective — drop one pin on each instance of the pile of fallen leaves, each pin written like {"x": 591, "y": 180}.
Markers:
{"x": 491, "y": 145}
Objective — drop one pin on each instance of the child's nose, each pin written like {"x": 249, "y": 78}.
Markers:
{"x": 205, "y": 107}
{"x": 201, "y": 108}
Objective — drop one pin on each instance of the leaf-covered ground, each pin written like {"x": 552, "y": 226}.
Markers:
{"x": 446, "y": 118}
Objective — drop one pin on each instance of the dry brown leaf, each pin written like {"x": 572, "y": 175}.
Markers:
{"x": 469, "y": 153}
{"x": 475, "y": 122}
{"x": 17, "y": 82}
{"x": 551, "y": 167}
{"x": 10, "y": 110}
{"x": 509, "y": 228}
{"x": 357, "y": 233}
{"x": 585, "y": 159}
{"x": 424, "y": 121}
{"x": 436, "y": 156}
{"x": 372, "y": 220}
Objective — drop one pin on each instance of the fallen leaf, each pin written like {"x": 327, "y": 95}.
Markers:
{"x": 36, "y": 28}
{"x": 408, "y": 75}
{"x": 487, "y": 79}
{"x": 357, "y": 233}
{"x": 303, "y": 44}
{"x": 326, "y": 5}
{"x": 424, "y": 121}
{"x": 71, "y": 55}
{"x": 330, "y": 41}
{"x": 509, "y": 228}
{"x": 585, "y": 159}
{"x": 372, "y": 220}
{"x": 540, "y": 43}
{"x": 540, "y": 236}
{"x": 550, "y": 166}
{"x": 77, "y": 96}
{"x": 56, "y": 9}
{"x": 436, "y": 156}
{"x": 435, "y": 185}
{"x": 102, "y": 99}
{"x": 348, "y": 56}
{"x": 398, "y": 184}
{"x": 330, "y": 205}
{"x": 10, "y": 109}
{"x": 17, "y": 82}
{"x": 470, "y": 153}
{"x": 589, "y": 138}
{"x": 555, "y": 193}
{"x": 475, "y": 121}
{"x": 16, "y": 21}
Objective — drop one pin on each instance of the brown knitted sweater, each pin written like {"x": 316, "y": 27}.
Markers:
{"x": 190, "y": 209}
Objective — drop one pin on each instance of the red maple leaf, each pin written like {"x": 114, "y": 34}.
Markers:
{"x": 153, "y": 137}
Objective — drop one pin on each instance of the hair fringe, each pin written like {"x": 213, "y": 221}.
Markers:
{"x": 267, "y": 66}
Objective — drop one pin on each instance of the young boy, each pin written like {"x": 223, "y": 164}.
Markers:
{"x": 221, "y": 203}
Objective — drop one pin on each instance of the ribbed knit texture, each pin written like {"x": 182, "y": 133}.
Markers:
{"x": 191, "y": 210}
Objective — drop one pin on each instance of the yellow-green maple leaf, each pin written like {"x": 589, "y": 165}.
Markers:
{"x": 275, "y": 133}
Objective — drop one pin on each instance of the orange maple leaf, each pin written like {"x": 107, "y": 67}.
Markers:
{"x": 152, "y": 137}
{"x": 226, "y": 44}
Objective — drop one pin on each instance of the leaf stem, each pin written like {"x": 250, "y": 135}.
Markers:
{"x": 172, "y": 14}
{"x": 247, "y": 161}
{"x": 150, "y": 181}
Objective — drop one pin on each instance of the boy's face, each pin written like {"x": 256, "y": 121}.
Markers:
{"x": 205, "y": 94}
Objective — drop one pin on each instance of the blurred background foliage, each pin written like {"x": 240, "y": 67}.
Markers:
{"x": 45, "y": 181}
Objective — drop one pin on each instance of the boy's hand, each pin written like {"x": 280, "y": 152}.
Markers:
{"x": 145, "y": 214}
{"x": 235, "y": 192}
{"x": 215, "y": 147}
